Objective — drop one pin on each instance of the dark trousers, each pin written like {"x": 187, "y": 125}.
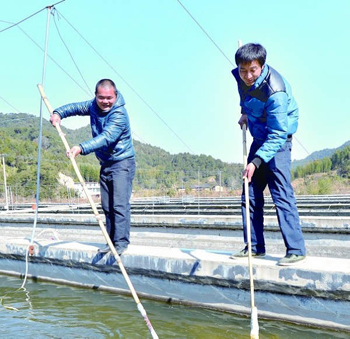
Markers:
{"x": 116, "y": 187}
{"x": 276, "y": 175}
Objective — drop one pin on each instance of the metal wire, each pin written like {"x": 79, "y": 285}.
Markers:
{"x": 37, "y": 195}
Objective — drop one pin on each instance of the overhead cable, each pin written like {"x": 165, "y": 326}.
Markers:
{"x": 59, "y": 34}
{"x": 220, "y": 50}
{"x": 38, "y": 172}
{"x": 28, "y": 17}
{"x": 205, "y": 32}
{"x": 52, "y": 59}
{"x": 17, "y": 23}
{"x": 302, "y": 146}
{"x": 126, "y": 82}
{"x": 9, "y": 104}
{"x": 138, "y": 137}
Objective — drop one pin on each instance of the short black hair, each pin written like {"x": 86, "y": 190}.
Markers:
{"x": 250, "y": 52}
{"x": 106, "y": 83}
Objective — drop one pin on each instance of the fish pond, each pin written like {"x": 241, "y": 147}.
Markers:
{"x": 48, "y": 310}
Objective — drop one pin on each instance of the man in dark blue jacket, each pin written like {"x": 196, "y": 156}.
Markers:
{"x": 269, "y": 110}
{"x": 112, "y": 143}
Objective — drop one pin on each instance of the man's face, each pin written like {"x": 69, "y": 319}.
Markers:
{"x": 105, "y": 97}
{"x": 249, "y": 72}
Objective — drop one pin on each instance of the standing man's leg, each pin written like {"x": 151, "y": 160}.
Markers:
{"x": 122, "y": 177}
{"x": 107, "y": 203}
{"x": 279, "y": 182}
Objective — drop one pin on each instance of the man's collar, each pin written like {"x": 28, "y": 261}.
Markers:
{"x": 262, "y": 76}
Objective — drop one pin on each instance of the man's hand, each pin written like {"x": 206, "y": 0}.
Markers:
{"x": 55, "y": 119}
{"x": 249, "y": 171}
{"x": 73, "y": 152}
{"x": 243, "y": 120}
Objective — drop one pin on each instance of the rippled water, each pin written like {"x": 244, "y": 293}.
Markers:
{"x": 45, "y": 310}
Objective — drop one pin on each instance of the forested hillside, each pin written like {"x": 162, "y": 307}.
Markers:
{"x": 324, "y": 176}
{"x": 158, "y": 172}
{"x": 156, "y": 168}
{"x": 318, "y": 155}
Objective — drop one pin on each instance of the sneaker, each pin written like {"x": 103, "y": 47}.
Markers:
{"x": 244, "y": 254}
{"x": 290, "y": 259}
{"x": 121, "y": 250}
{"x": 105, "y": 249}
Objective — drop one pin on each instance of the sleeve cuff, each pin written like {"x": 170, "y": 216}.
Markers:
{"x": 257, "y": 162}
{"x": 57, "y": 113}
{"x": 82, "y": 149}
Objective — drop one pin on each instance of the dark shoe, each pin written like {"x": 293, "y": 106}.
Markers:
{"x": 244, "y": 254}
{"x": 291, "y": 259}
{"x": 105, "y": 249}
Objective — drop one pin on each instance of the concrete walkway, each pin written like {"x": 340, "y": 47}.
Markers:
{"x": 315, "y": 291}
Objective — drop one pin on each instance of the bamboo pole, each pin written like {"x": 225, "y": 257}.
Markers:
{"x": 254, "y": 325}
{"x": 100, "y": 222}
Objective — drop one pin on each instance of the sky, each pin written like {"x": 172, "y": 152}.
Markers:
{"x": 175, "y": 75}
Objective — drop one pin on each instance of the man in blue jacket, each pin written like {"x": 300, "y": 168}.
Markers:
{"x": 271, "y": 114}
{"x": 112, "y": 143}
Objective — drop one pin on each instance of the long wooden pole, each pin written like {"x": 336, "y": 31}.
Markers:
{"x": 100, "y": 222}
{"x": 254, "y": 325}
{"x": 254, "y": 333}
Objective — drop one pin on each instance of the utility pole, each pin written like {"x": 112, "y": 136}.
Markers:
{"x": 5, "y": 184}
{"x": 198, "y": 193}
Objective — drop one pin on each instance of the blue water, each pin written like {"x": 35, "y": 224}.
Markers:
{"x": 45, "y": 310}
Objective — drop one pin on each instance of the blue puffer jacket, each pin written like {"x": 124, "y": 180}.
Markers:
{"x": 110, "y": 130}
{"x": 271, "y": 109}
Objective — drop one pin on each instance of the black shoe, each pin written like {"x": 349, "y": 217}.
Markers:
{"x": 105, "y": 249}
{"x": 244, "y": 254}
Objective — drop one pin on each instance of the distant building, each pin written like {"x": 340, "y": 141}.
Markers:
{"x": 93, "y": 189}
{"x": 199, "y": 188}
{"x": 207, "y": 187}
{"x": 217, "y": 188}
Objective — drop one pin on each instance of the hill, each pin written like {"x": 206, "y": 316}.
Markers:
{"x": 158, "y": 172}
{"x": 156, "y": 168}
{"x": 318, "y": 155}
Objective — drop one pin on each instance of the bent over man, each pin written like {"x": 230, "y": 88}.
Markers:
{"x": 270, "y": 112}
{"x": 112, "y": 143}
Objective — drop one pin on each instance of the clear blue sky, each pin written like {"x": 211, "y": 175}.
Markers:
{"x": 166, "y": 58}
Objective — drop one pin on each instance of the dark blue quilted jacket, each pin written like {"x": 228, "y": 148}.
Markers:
{"x": 110, "y": 130}
{"x": 271, "y": 109}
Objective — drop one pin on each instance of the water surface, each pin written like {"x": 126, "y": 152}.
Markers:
{"x": 46, "y": 310}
